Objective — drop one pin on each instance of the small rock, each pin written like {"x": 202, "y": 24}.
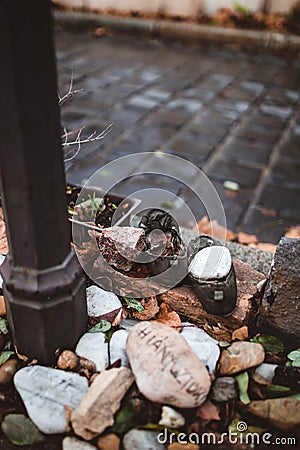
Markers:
{"x": 261, "y": 285}
{"x": 241, "y": 356}
{"x": 7, "y": 371}
{"x": 224, "y": 389}
{"x": 20, "y": 430}
{"x": 2, "y": 306}
{"x": 204, "y": 346}
{"x": 45, "y": 393}
{"x": 109, "y": 442}
{"x": 96, "y": 410}
{"x": 165, "y": 368}
{"x": 87, "y": 364}
{"x": 93, "y": 346}
{"x": 67, "y": 360}
{"x": 102, "y": 304}
{"x": 264, "y": 373}
{"x": 142, "y": 440}
{"x": 171, "y": 418}
{"x": 71, "y": 443}
{"x": 279, "y": 314}
{"x": 281, "y": 412}
{"x": 241, "y": 334}
{"x": 120, "y": 246}
{"x": 117, "y": 347}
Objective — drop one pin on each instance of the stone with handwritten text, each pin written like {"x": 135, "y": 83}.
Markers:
{"x": 166, "y": 370}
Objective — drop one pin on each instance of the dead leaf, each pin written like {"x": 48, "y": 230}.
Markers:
{"x": 245, "y": 238}
{"x": 151, "y": 308}
{"x": 208, "y": 411}
{"x": 241, "y": 334}
{"x": 266, "y": 247}
{"x": 100, "y": 32}
{"x": 212, "y": 228}
{"x": 293, "y": 232}
{"x": 169, "y": 317}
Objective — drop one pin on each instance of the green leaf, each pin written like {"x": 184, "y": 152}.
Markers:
{"x": 133, "y": 303}
{"x": 3, "y": 326}
{"x": 102, "y": 326}
{"x": 126, "y": 418}
{"x": 296, "y": 362}
{"x": 271, "y": 344}
{"x": 243, "y": 381}
{"x": 295, "y": 354}
{"x": 278, "y": 388}
{"x": 20, "y": 430}
{"x": 4, "y": 356}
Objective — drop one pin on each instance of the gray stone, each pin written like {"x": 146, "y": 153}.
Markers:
{"x": 264, "y": 373}
{"x": 97, "y": 408}
{"x": 117, "y": 347}
{"x": 166, "y": 370}
{"x": 71, "y": 443}
{"x": 142, "y": 440}
{"x": 204, "y": 346}
{"x": 280, "y": 307}
{"x": 46, "y": 392}
{"x": 224, "y": 389}
{"x": 101, "y": 302}
{"x": 93, "y": 346}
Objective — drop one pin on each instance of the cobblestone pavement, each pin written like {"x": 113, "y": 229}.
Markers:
{"x": 234, "y": 115}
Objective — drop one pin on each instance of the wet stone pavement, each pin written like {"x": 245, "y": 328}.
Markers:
{"x": 234, "y": 115}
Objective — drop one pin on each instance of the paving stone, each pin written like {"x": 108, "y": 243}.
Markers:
{"x": 224, "y": 170}
{"x": 253, "y": 131}
{"x": 286, "y": 172}
{"x": 241, "y": 150}
{"x": 282, "y": 199}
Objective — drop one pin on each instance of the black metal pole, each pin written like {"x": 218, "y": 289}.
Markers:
{"x": 43, "y": 284}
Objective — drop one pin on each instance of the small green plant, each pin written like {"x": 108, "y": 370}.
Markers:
{"x": 242, "y": 9}
{"x": 134, "y": 303}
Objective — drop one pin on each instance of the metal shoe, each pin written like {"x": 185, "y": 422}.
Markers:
{"x": 211, "y": 273}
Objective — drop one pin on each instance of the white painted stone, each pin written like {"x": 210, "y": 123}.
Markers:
{"x": 71, "y": 443}
{"x": 100, "y": 302}
{"x": 45, "y": 393}
{"x": 204, "y": 346}
{"x": 142, "y": 440}
{"x": 117, "y": 347}
{"x": 171, "y": 418}
{"x": 211, "y": 263}
{"x": 93, "y": 346}
{"x": 166, "y": 370}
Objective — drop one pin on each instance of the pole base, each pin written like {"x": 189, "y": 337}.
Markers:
{"x": 54, "y": 316}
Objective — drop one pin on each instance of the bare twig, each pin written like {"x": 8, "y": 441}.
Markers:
{"x": 63, "y": 99}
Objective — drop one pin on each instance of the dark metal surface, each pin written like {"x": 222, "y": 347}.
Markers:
{"x": 43, "y": 284}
